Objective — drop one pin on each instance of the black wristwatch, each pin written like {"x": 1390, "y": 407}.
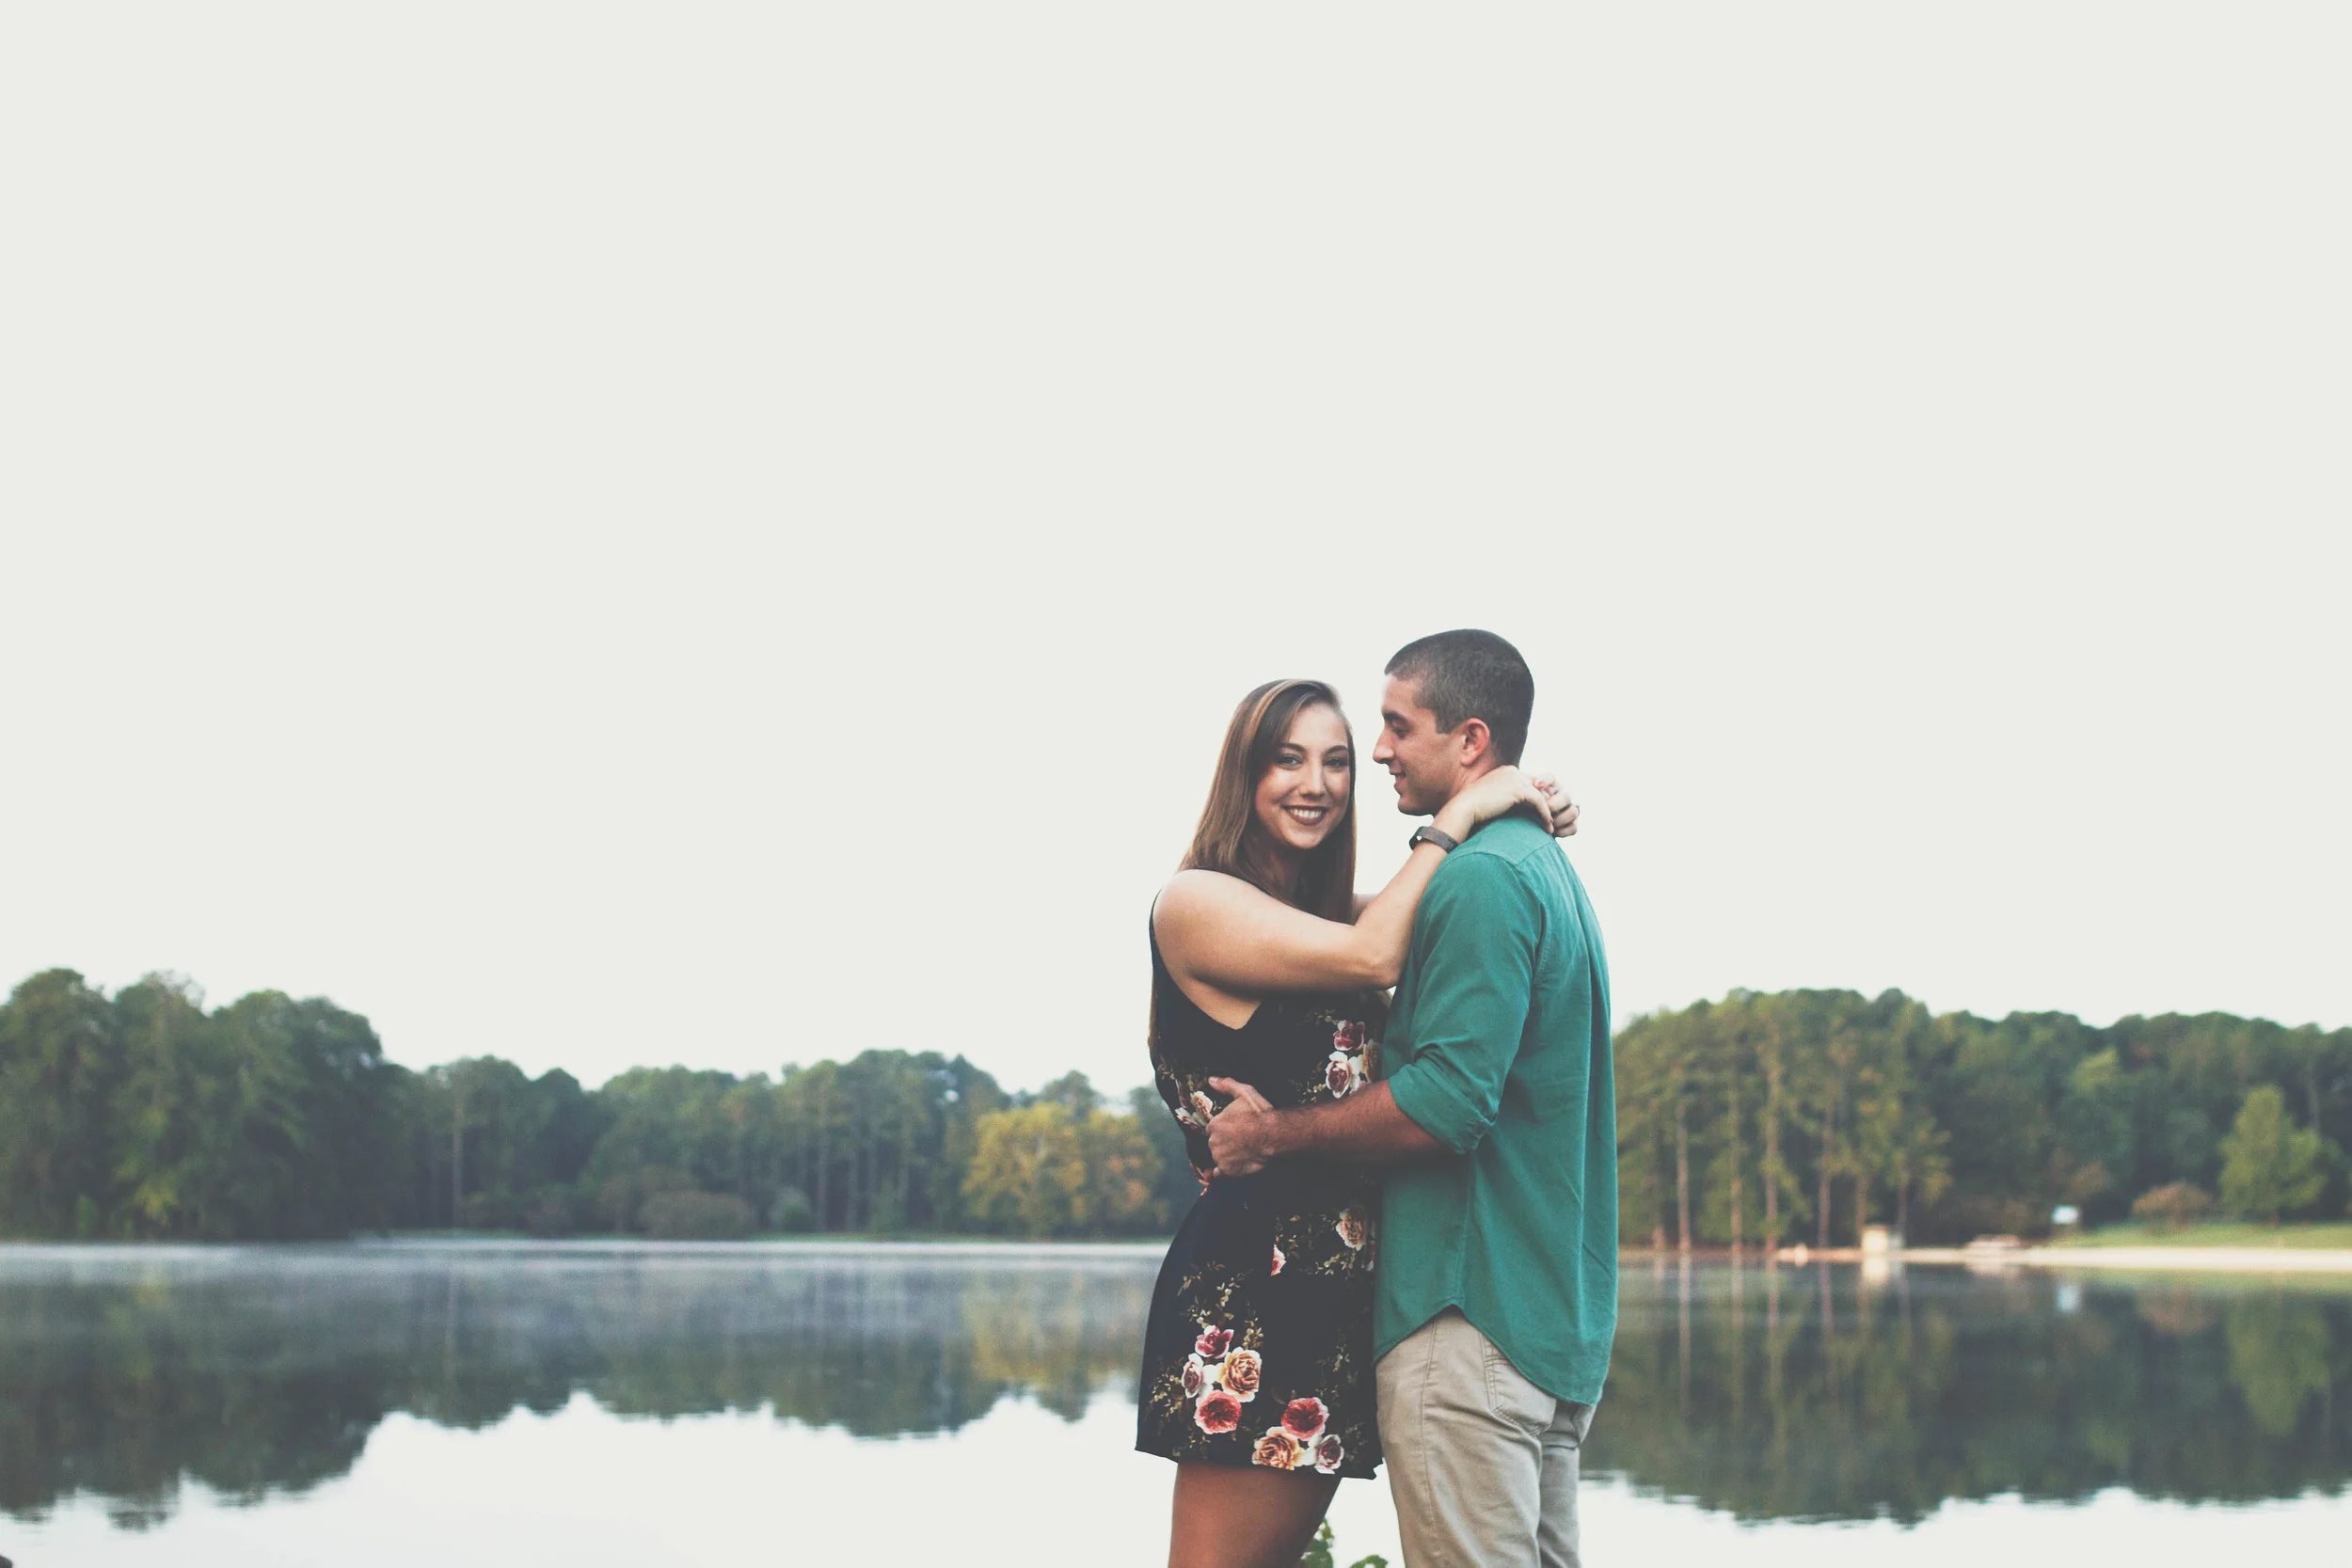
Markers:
{"x": 1446, "y": 842}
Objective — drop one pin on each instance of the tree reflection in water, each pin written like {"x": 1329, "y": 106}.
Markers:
{"x": 1818, "y": 1393}
{"x": 1782, "y": 1392}
{"x": 254, "y": 1371}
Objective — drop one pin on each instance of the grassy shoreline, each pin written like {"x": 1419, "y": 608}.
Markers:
{"x": 2234, "y": 1234}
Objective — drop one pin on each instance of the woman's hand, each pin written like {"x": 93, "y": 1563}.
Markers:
{"x": 1494, "y": 794}
{"x": 1562, "y": 809}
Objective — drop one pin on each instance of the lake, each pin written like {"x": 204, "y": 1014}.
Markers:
{"x": 494, "y": 1403}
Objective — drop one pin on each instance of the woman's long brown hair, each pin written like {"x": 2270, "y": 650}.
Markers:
{"x": 1232, "y": 839}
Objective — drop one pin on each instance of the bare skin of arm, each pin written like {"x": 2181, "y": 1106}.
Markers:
{"x": 1230, "y": 943}
{"x": 1366, "y": 1127}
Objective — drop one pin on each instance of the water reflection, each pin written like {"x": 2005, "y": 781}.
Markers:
{"x": 1819, "y": 1393}
{"x": 124, "y": 1372}
{"x": 1785, "y": 1393}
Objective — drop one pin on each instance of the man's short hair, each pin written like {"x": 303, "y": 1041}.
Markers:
{"x": 1471, "y": 674}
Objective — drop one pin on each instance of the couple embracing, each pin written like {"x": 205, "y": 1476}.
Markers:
{"x": 1405, "y": 1249}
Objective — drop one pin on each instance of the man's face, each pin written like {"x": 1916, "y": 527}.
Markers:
{"x": 1424, "y": 760}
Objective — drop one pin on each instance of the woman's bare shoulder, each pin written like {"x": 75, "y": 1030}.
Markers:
{"x": 1194, "y": 898}
{"x": 1195, "y": 892}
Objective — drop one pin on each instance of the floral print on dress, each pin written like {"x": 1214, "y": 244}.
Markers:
{"x": 1259, "y": 1351}
{"x": 1305, "y": 1418}
{"x": 1195, "y": 1111}
{"x": 1241, "y": 1373}
{"x": 1300, "y": 1440}
{"x": 1353, "y": 1057}
{"x": 1219, "y": 1380}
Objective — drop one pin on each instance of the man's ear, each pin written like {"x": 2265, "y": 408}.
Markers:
{"x": 1476, "y": 741}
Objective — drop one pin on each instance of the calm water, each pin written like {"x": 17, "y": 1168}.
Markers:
{"x": 495, "y": 1403}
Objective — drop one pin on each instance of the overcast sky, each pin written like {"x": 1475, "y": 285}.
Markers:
{"x": 729, "y": 534}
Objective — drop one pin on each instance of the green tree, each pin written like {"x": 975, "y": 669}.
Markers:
{"x": 1905, "y": 1143}
{"x": 1776, "y": 1044}
{"x": 1643, "y": 1110}
{"x": 157, "y": 1128}
{"x": 2095, "y": 1129}
{"x": 61, "y": 1064}
{"x": 1074, "y": 1091}
{"x": 2268, "y": 1164}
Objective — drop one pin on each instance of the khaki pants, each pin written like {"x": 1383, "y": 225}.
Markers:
{"x": 1482, "y": 1463}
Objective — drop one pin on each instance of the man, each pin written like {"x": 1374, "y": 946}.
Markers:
{"x": 1497, "y": 1117}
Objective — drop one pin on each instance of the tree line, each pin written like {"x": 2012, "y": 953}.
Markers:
{"x": 143, "y": 1116}
{"x": 1802, "y": 1114}
{"x": 1807, "y": 1115}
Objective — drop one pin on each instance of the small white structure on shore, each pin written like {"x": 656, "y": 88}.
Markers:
{"x": 1880, "y": 1240}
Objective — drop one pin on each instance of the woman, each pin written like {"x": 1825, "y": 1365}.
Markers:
{"x": 1257, "y": 1364}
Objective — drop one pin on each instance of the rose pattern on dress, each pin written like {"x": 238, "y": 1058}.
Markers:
{"x": 1304, "y": 1419}
{"x": 1217, "y": 1411}
{"x": 1219, "y": 1379}
{"x": 1278, "y": 1260}
{"x": 1196, "y": 1111}
{"x": 1339, "y": 1077}
{"x": 1350, "y": 1066}
{"x": 1353, "y": 1229}
{"x": 1278, "y": 1450}
{"x": 1300, "y": 1440}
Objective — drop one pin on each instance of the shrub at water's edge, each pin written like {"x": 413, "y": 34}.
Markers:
{"x": 2175, "y": 1206}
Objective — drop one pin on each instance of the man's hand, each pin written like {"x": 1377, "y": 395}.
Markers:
{"x": 1241, "y": 1136}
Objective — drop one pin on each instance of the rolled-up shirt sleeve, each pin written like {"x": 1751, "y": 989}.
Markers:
{"x": 1479, "y": 927}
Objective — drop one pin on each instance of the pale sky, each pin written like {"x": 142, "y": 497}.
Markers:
{"x": 728, "y": 534}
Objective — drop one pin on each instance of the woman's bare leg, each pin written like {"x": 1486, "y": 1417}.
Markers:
{"x": 1229, "y": 1517}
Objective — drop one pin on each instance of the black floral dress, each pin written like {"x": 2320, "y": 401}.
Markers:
{"x": 1259, "y": 1347}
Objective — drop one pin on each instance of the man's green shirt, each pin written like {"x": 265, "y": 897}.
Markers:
{"x": 1499, "y": 1048}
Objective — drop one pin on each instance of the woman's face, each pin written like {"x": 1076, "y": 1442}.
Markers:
{"x": 1304, "y": 795}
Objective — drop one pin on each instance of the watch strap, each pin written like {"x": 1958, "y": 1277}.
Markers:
{"x": 1425, "y": 835}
